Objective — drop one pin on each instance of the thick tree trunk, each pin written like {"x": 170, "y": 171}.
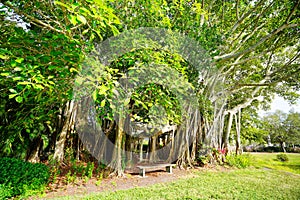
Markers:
{"x": 171, "y": 139}
{"x": 116, "y": 162}
{"x": 33, "y": 154}
{"x": 187, "y": 135}
{"x": 60, "y": 143}
{"x": 102, "y": 153}
{"x": 153, "y": 153}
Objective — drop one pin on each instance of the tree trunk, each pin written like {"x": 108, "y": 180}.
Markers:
{"x": 153, "y": 154}
{"x": 171, "y": 139}
{"x": 194, "y": 150}
{"x": 227, "y": 133}
{"x": 60, "y": 143}
{"x": 282, "y": 144}
{"x": 141, "y": 149}
{"x": 238, "y": 132}
{"x": 33, "y": 154}
{"x": 187, "y": 134}
{"x": 116, "y": 162}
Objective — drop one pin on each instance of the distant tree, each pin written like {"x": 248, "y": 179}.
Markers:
{"x": 292, "y": 127}
{"x": 252, "y": 128}
{"x": 283, "y": 128}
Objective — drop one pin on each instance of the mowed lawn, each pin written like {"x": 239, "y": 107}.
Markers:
{"x": 268, "y": 160}
{"x": 266, "y": 179}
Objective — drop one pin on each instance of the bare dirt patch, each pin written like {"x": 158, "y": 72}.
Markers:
{"x": 131, "y": 180}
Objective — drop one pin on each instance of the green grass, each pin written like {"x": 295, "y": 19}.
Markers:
{"x": 258, "y": 182}
{"x": 269, "y": 160}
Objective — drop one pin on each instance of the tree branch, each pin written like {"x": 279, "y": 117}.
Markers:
{"x": 246, "y": 103}
{"x": 244, "y": 16}
{"x": 292, "y": 12}
{"x": 237, "y": 9}
{"x": 226, "y": 57}
{"x": 37, "y": 21}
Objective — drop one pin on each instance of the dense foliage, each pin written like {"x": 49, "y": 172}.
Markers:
{"x": 283, "y": 128}
{"x": 19, "y": 178}
{"x": 282, "y": 157}
{"x": 239, "y": 161}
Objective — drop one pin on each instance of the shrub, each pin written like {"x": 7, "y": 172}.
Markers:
{"x": 239, "y": 161}
{"x": 19, "y": 178}
{"x": 282, "y": 157}
{"x": 272, "y": 149}
{"x": 203, "y": 160}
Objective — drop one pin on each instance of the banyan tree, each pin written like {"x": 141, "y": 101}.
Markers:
{"x": 166, "y": 93}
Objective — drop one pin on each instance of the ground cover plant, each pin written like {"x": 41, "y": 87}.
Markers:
{"x": 19, "y": 178}
{"x": 239, "y": 161}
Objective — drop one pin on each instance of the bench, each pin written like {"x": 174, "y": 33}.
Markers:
{"x": 143, "y": 168}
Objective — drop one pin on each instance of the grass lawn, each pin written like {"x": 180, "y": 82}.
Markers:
{"x": 269, "y": 160}
{"x": 268, "y": 179}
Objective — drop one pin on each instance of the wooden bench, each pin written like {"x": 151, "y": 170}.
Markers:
{"x": 143, "y": 168}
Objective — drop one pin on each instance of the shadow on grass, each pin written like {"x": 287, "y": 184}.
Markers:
{"x": 293, "y": 167}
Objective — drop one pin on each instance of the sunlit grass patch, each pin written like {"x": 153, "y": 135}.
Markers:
{"x": 269, "y": 160}
{"x": 248, "y": 183}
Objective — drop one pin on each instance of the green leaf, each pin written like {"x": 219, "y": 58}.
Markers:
{"x": 24, "y": 83}
{"x": 85, "y": 11}
{"x": 85, "y": 31}
{"x": 126, "y": 102}
{"x": 81, "y": 19}
{"x": 17, "y": 78}
{"x": 45, "y": 141}
{"x": 73, "y": 70}
{"x": 114, "y": 30}
{"x": 4, "y": 57}
{"x": 12, "y": 96}
{"x": 92, "y": 37}
{"x": 19, "y": 99}
{"x": 13, "y": 63}
{"x": 103, "y": 89}
{"x": 38, "y": 86}
{"x": 95, "y": 95}
{"x": 102, "y": 104}
{"x": 144, "y": 105}
{"x": 5, "y": 74}
{"x": 17, "y": 69}
{"x": 99, "y": 35}
{"x": 63, "y": 4}
{"x": 73, "y": 19}
{"x": 19, "y": 60}
{"x": 13, "y": 91}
